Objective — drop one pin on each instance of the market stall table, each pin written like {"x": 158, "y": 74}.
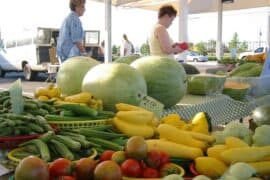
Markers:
{"x": 221, "y": 108}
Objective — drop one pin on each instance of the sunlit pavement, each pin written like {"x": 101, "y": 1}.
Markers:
{"x": 206, "y": 66}
{"x": 27, "y": 86}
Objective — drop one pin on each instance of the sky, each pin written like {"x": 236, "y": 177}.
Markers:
{"x": 18, "y": 15}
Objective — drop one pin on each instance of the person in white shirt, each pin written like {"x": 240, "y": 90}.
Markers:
{"x": 126, "y": 47}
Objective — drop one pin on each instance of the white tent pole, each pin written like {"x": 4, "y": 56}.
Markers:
{"x": 268, "y": 28}
{"x": 219, "y": 48}
{"x": 183, "y": 24}
{"x": 108, "y": 30}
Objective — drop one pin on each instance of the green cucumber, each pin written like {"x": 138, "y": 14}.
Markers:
{"x": 81, "y": 110}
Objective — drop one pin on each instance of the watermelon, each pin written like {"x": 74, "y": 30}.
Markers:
{"x": 127, "y": 59}
{"x": 71, "y": 73}
{"x": 165, "y": 78}
{"x": 205, "y": 84}
{"x": 115, "y": 83}
{"x": 236, "y": 90}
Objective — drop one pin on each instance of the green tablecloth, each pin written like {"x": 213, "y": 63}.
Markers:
{"x": 221, "y": 108}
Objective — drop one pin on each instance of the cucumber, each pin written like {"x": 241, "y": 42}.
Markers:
{"x": 42, "y": 147}
{"x": 67, "y": 113}
{"x": 35, "y": 127}
{"x": 81, "y": 110}
{"x": 62, "y": 149}
{"x": 71, "y": 144}
{"x": 99, "y": 134}
{"x": 106, "y": 144}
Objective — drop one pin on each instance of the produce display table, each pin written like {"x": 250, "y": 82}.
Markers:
{"x": 221, "y": 108}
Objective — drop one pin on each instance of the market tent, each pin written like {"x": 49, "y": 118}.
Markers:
{"x": 184, "y": 8}
{"x": 194, "y": 6}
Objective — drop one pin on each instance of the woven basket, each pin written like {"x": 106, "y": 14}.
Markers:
{"x": 14, "y": 141}
{"x": 79, "y": 124}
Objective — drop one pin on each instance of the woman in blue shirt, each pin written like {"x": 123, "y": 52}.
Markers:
{"x": 70, "y": 40}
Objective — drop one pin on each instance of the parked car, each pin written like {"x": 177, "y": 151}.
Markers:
{"x": 31, "y": 54}
{"x": 193, "y": 56}
{"x": 259, "y": 50}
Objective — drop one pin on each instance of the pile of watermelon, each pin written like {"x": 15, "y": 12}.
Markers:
{"x": 158, "y": 77}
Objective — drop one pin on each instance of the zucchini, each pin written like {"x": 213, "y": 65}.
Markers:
{"x": 104, "y": 127}
{"x": 62, "y": 149}
{"x": 21, "y": 117}
{"x": 67, "y": 113}
{"x": 103, "y": 112}
{"x": 72, "y": 134}
{"x": 106, "y": 144}
{"x": 71, "y": 144}
{"x": 35, "y": 127}
{"x": 4, "y": 93}
{"x": 31, "y": 149}
{"x": 23, "y": 154}
{"x": 99, "y": 134}
{"x": 24, "y": 130}
{"x": 42, "y": 147}
{"x": 47, "y": 136}
{"x": 7, "y": 131}
{"x": 84, "y": 143}
{"x": 4, "y": 98}
{"x": 81, "y": 110}
{"x": 32, "y": 106}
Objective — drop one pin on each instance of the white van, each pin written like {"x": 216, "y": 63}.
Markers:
{"x": 30, "y": 55}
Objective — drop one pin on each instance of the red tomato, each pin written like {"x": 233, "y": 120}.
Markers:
{"x": 60, "y": 167}
{"x": 131, "y": 168}
{"x": 106, "y": 155}
{"x": 150, "y": 173}
{"x": 153, "y": 159}
{"x": 164, "y": 158}
{"x": 65, "y": 178}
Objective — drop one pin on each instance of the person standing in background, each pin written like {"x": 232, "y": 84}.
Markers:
{"x": 126, "y": 47}
{"x": 71, "y": 34}
{"x": 160, "y": 43}
{"x": 101, "y": 51}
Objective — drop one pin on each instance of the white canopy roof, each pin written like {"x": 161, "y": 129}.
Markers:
{"x": 194, "y": 6}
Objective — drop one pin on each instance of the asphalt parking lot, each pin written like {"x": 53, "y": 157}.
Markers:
{"x": 27, "y": 86}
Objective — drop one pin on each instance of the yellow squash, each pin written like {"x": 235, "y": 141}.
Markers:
{"x": 128, "y": 107}
{"x": 210, "y": 167}
{"x": 174, "y": 149}
{"x": 200, "y": 123}
{"x": 245, "y": 154}
{"x": 83, "y": 97}
{"x": 234, "y": 142}
{"x": 200, "y": 136}
{"x": 262, "y": 167}
{"x": 176, "y": 135}
{"x": 173, "y": 119}
{"x": 136, "y": 117}
{"x": 130, "y": 129}
{"x": 216, "y": 150}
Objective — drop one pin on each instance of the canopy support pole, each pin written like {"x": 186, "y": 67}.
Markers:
{"x": 268, "y": 30}
{"x": 219, "y": 47}
{"x": 108, "y": 30}
{"x": 183, "y": 25}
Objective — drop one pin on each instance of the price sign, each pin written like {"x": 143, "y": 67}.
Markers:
{"x": 153, "y": 105}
